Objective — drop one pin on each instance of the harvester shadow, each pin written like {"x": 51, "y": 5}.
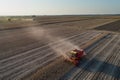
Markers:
{"x": 95, "y": 66}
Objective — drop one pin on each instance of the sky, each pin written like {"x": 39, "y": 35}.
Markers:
{"x": 59, "y": 7}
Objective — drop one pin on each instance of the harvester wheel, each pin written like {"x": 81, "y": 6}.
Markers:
{"x": 76, "y": 62}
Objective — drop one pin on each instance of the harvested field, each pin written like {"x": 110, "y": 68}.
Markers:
{"x": 102, "y": 62}
{"x": 34, "y": 50}
{"x": 37, "y": 57}
{"x": 114, "y": 26}
{"x": 58, "y": 21}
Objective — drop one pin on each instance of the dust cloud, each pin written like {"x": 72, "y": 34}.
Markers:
{"x": 61, "y": 46}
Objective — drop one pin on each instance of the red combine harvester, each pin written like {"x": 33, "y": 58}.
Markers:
{"x": 75, "y": 55}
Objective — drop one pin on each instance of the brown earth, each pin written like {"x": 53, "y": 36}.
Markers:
{"x": 15, "y": 38}
{"x": 58, "y": 68}
{"x": 114, "y": 26}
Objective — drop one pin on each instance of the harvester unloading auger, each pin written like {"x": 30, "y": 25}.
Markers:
{"x": 75, "y": 55}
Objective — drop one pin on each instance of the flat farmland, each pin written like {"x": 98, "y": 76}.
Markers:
{"x": 114, "y": 26}
{"x": 33, "y": 49}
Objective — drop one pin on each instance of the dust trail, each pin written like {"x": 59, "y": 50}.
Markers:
{"x": 61, "y": 48}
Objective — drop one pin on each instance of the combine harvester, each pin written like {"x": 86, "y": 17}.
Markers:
{"x": 75, "y": 55}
